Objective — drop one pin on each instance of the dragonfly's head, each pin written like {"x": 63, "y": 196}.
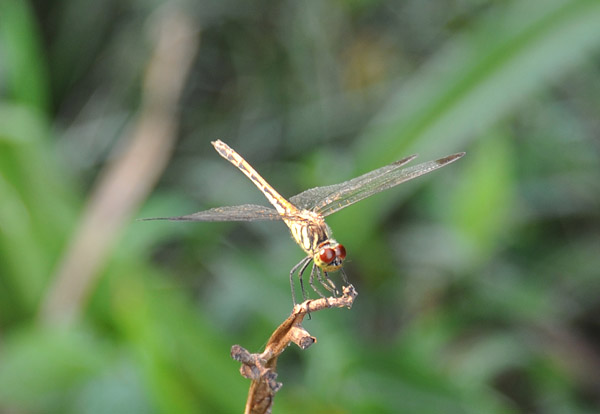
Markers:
{"x": 330, "y": 255}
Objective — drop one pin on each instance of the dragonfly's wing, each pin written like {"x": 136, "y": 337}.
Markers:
{"x": 246, "y": 212}
{"x": 327, "y": 200}
{"x": 311, "y": 198}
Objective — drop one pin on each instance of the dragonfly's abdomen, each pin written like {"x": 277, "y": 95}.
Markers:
{"x": 281, "y": 204}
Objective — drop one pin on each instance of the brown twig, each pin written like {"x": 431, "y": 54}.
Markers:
{"x": 261, "y": 368}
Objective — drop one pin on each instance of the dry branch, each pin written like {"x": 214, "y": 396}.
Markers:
{"x": 261, "y": 368}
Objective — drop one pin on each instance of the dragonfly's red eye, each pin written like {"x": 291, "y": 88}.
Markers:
{"x": 327, "y": 255}
{"x": 340, "y": 251}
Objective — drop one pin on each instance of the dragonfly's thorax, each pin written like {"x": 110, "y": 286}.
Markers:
{"x": 309, "y": 230}
{"x": 314, "y": 236}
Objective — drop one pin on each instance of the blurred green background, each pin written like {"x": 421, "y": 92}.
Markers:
{"x": 479, "y": 287}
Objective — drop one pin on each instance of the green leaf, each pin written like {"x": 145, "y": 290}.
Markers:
{"x": 21, "y": 56}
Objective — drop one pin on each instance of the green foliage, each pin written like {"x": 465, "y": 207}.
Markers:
{"x": 23, "y": 63}
{"x": 478, "y": 284}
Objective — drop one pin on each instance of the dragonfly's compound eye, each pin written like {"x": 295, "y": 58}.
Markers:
{"x": 340, "y": 251}
{"x": 326, "y": 254}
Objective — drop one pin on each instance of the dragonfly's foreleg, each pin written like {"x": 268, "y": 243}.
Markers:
{"x": 326, "y": 282}
{"x": 344, "y": 277}
{"x": 302, "y": 266}
{"x": 317, "y": 270}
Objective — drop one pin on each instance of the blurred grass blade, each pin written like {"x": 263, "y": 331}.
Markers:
{"x": 473, "y": 82}
{"x": 483, "y": 74}
{"x": 480, "y": 204}
{"x": 37, "y": 207}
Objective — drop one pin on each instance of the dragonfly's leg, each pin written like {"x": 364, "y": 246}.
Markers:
{"x": 344, "y": 277}
{"x": 300, "y": 273}
{"x": 316, "y": 270}
{"x": 302, "y": 266}
{"x": 329, "y": 281}
{"x": 329, "y": 285}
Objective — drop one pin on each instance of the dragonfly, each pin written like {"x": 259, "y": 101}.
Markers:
{"x": 305, "y": 213}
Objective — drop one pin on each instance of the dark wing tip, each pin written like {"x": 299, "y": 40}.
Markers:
{"x": 405, "y": 160}
{"x": 158, "y": 218}
{"x": 450, "y": 158}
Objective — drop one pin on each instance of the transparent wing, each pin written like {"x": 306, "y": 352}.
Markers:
{"x": 329, "y": 199}
{"x": 246, "y": 212}
{"x": 313, "y": 197}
